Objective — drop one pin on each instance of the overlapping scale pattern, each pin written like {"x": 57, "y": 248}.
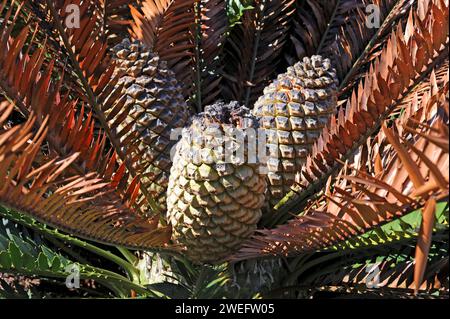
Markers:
{"x": 214, "y": 200}
{"x": 293, "y": 110}
{"x": 149, "y": 106}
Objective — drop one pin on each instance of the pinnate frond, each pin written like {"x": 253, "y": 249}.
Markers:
{"x": 393, "y": 266}
{"x": 406, "y": 60}
{"x": 76, "y": 157}
{"x": 410, "y": 171}
{"x": 167, "y": 27}
{"x": 90, "y": 59}
{"x": 189, "y": 35}
{"x": 83, "y": 204}
{"x": 253, "y": 49}
{"x": 345, "y": 31}
{"x": 213, "y": 24}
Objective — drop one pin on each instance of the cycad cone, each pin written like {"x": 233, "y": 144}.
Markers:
{"x": 293, "y": 111}
{"x": 150, "y": 103}
{"x": 214, "y": 204}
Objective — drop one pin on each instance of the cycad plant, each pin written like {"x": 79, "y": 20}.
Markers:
{"x": 353, "y": 198}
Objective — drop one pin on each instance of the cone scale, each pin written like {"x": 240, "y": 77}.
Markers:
{"x": 293, "y": 110}
{"x": 153, "y": 106}
{"x": 214, "y": 205}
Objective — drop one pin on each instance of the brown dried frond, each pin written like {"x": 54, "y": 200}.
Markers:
{"x": 411, "y": 173}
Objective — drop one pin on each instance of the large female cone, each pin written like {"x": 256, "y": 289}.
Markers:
{"x": 214, "y": 200}
{"x": 293, "y": 111}
{"x": 149, "y": 107}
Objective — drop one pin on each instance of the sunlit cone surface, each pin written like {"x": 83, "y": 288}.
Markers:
{"x": 293, "y": 110}
{"x": 156, "y": 106}
{"x": 214, "y": 204}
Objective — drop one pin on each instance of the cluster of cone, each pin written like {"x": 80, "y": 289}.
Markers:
{"x": 213, "y": 204}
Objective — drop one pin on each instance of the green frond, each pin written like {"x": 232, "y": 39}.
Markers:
{"x": 398, "y": 230}
{"x": 25, "y": 256}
